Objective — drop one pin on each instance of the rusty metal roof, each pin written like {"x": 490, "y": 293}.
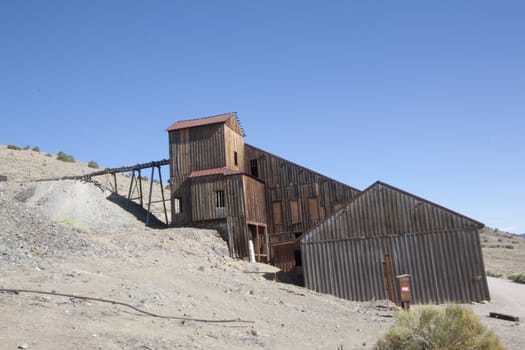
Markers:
{"x": 214, "y": 171}
{"x": 190, "y": 123}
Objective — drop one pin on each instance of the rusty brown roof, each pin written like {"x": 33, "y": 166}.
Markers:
{"x": 214, "y": 171}
{"x": 184, "y": 124}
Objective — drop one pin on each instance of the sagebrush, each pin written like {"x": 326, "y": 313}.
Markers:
{"x": 65, "y": 157}
{"x": 451, "y": 328}
{"x": 93, "y": 164}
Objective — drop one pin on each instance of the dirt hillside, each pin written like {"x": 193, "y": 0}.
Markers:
{"x": 71, "y": 237}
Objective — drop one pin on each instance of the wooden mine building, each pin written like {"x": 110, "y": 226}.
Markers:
{"x": 219, "y": 182}
{"x": 351, "y": 243}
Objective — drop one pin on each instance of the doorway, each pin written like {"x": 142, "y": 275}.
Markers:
{"x": 259, "y": 237}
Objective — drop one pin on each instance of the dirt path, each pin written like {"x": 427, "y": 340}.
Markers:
{"x": 507, "y": 298}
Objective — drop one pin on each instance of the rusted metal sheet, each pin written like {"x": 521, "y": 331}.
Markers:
{"x": 444, "y": 266}
{"x": 191, "y": 123}
{"x": 216, "y": 171}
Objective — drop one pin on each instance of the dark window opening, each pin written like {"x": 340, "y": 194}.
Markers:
{"x": 235, "y": 159}
{"x": 219, "y": 199}
{"x": 254, "y": 170}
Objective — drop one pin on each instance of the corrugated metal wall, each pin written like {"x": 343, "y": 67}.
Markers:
{"x": 385, "y": 210}
{"x": 344, "y": 255}
{"x": 445, "y": 266}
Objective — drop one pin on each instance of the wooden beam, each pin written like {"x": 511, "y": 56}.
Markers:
{"x": 504, "y": 317}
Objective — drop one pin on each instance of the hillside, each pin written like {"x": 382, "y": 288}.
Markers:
{"x": 503, "y": 252}
{"x": 70, "y": 237}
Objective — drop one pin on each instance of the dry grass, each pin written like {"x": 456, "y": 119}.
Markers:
{"x": 503, "y": 252}
{"x": 451, "y": 328}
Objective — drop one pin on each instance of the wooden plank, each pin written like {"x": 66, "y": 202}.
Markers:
{"x": 504, "y": 316}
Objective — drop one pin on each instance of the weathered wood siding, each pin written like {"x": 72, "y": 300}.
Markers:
{"x": 304, "y": 197}
{"x": 384, "y": 210}
{"x": 438, "y": 247}
{"x": 254, "y": 199}
{"x": 445, "y": 266}
{"x": 284, "y": 255}
{"x": 234, "y": 145}
{"x": 204, "y": 194}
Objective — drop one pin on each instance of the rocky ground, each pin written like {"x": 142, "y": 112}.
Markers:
{"x": 68, "y": 237}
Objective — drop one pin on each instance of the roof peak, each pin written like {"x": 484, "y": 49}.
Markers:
{"x": 215, "y": 119}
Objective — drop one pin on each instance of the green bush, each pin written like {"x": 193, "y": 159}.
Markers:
{"x": 16, "y": 148}
{"x": 93, "y": 164}
{"x": 36, "y": 149}
{"x": 65, "y": 157}
{"x": 496, "y": 273}
{"x": 451, "y": 328}
{"x": 26, "y": 148}
{"x": 518, "y": 277}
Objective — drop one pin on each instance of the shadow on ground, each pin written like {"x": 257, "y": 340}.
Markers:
{"x": 136, "y": 210}
{"x": 290, "y": 277}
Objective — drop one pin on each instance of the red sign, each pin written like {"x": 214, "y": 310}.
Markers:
{"x": 405, "y": 289}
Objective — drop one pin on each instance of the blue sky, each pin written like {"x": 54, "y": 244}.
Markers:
{"x": 427, "y": 96}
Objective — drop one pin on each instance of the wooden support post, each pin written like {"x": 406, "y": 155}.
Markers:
{"x": 130, "y": 188}
{"x": 149, "y": 196}
{"x": 163, "y": 199}
{"x": 140, "y": 190}
{"x": 115, "y": 182}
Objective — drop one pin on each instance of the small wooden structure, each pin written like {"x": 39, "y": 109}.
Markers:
{"x": 385, "y": 232}
{"x": 246, "y": 193}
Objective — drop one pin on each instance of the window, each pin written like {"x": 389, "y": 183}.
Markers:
{"x": 294, "y": 211}
{"x": 277, "y": 216}
{"x": 177, "y": 205}
{"x": 254, "y": 170}
{"x": 313, "y": 209}
{"x": 219, "y": 199}
{"x": 235, "y": 159}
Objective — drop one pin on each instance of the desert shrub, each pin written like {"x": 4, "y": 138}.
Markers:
{"x": 509, "y": 246}
{"x": 93, "y": 164}
{"x": 518, "y": 277}
{"x": 49, "y": 155}
{"x": 36, "y": 149}
{"x": 65, "y": 157}
{"x": 451, "y": 328}
{"x": 26, "y": 148}
{"x": 496, "y": 273}
{"x": 14, "y": 147}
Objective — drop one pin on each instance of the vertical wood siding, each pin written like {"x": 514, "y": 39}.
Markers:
{"x": 287, "y": 183}
{"x": 445, "y": 266}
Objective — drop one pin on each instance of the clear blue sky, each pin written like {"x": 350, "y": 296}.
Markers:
{"x": 428, "y": 96}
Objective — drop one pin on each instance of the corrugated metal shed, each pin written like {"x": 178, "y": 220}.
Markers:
{"x": 346, "y": 254}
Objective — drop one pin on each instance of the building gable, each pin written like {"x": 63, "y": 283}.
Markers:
{"x": 229, "y": 119}
{"x": 383, "y": 210}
